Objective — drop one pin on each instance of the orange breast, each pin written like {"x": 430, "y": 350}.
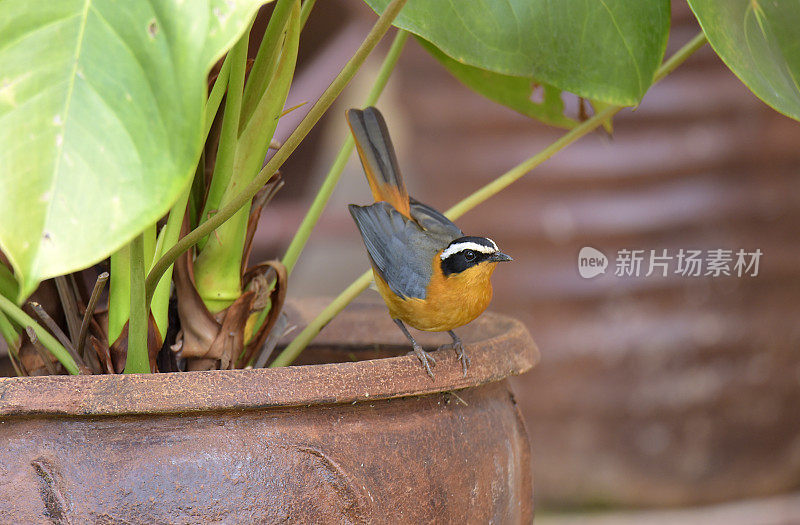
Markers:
{"x": 451, "y": 301}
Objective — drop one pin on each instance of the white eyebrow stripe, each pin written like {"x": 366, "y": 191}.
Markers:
{"x": 460, "y": 247}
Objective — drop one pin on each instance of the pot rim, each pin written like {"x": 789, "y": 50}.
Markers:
{"x": 498, "y": 347}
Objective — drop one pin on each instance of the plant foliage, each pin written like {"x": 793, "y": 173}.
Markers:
{"x": 760, "y": 42}
{"x": 101, "y": 118}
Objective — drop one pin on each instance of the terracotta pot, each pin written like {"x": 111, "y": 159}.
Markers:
{"x": 354, "y": 441}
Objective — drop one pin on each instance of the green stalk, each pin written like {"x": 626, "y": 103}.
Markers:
{"x": 308, "y": 5}
{"x": 332, "y": 179}
{"x": 13, "y": 339}
{"x": 119, "y": 291}
{"x": 138, "y": 361}
{"x": 246, "y": 194}
{"x": 226, "y": 151}
{"x": 266, "y": 60}
{"x": 215, "y": 97}
{"x": 53, "y": 346}
{"x": 208, "y": 284}
{"x": 149, "y": 242}
{"x": 169, "y": 235}
{"x": 167, "y": 238}
{"x": 8, "y": 284}
{"x": 256, "y": 133}
{"x": 197, "y": 194}
{"x": 217, "y": 269}
{"x": 9, "y": 333}
{"x": 680, "y": 56}
{"x": 302, "y": 340}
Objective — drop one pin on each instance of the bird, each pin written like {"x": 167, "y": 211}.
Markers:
{"x": 431, "y": 276}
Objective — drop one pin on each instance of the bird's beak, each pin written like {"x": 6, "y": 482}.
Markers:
{"x": 499, "y": 257}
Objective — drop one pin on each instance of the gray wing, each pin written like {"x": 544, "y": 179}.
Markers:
{"x": 400, "y": 251}
{"x": 434, "y": 222}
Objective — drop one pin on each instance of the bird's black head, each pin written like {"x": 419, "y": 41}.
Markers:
{"x": 466, "y": 252}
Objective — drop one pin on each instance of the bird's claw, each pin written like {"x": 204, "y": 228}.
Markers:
{"x": 426, "y": 359}
{"x": 460, "y": 353}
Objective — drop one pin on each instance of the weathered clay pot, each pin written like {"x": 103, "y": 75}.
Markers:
{"x": 359, "y": 441}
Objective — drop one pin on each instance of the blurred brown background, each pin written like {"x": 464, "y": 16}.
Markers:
{"x": 652, "y": 391}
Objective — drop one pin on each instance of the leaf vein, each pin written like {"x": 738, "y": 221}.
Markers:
{"x": 67, "y": 102}
{"x": 36, "y": 30}
{"x": 639, "y": 78}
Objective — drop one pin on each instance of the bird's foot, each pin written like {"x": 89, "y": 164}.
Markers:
{"x": 425, "y": 358}
{"x": 460, "y": 353}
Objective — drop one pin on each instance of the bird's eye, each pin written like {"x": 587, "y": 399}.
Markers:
{"x": 469, "y": 255}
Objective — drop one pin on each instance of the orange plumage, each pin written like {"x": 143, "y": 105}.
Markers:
{"x": 451, "y": 301}
{"x": 383, "y": 190}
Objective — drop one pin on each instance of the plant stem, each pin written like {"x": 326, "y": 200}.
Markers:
{"x": 41, "y": 350}
{"x": 8, "y": 332}
{"x": 308, "y": 5}
{"x": 13, "y": 341}
{"x": 680, "y": 56}
{"x": 169, "y": 235}
{"x": 69, "y": 305}
{"x": 51, "y": 325}
{"x": 8, "y": 284}
{"x": 329, "y": 184}
{"x": 99, "y": 284}
{"x": 579, "y": 131}
{"x": 217, "y": 269}
{"x": 266, "y": 60}
{"x": 215, "y": 97}
{"x": 119, "y": 292}
{"x": 49, "y": 342}
{"x": 315, "y": 113}
{"x": 208, "y": 281}
{"x": 226, "y": 150}
{"x": 302, "y": 340}
{"x": 159, "y": 304}
{"x": 138, "y": 361}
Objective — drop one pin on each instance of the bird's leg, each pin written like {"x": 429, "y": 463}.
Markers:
{"x": 459, "y": 348}
{"x": 424, "y": 357}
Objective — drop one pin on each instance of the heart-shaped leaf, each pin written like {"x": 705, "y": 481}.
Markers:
{"x": 760, "y": 42}
{"x": 101, "y": 118}
{"x": 605, "y": 50}
{"x": 514, "y": 92}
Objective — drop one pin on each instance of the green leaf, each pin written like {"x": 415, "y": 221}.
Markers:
{"x": 8, "y": 285}
{"x": 514, "y": 92}
{"x": 760, "y": 42}
{"x": 101, "y": 120}
{"x": 599, "y": 49}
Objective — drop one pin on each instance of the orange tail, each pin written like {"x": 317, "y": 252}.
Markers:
{"x": 378, "y": 158}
